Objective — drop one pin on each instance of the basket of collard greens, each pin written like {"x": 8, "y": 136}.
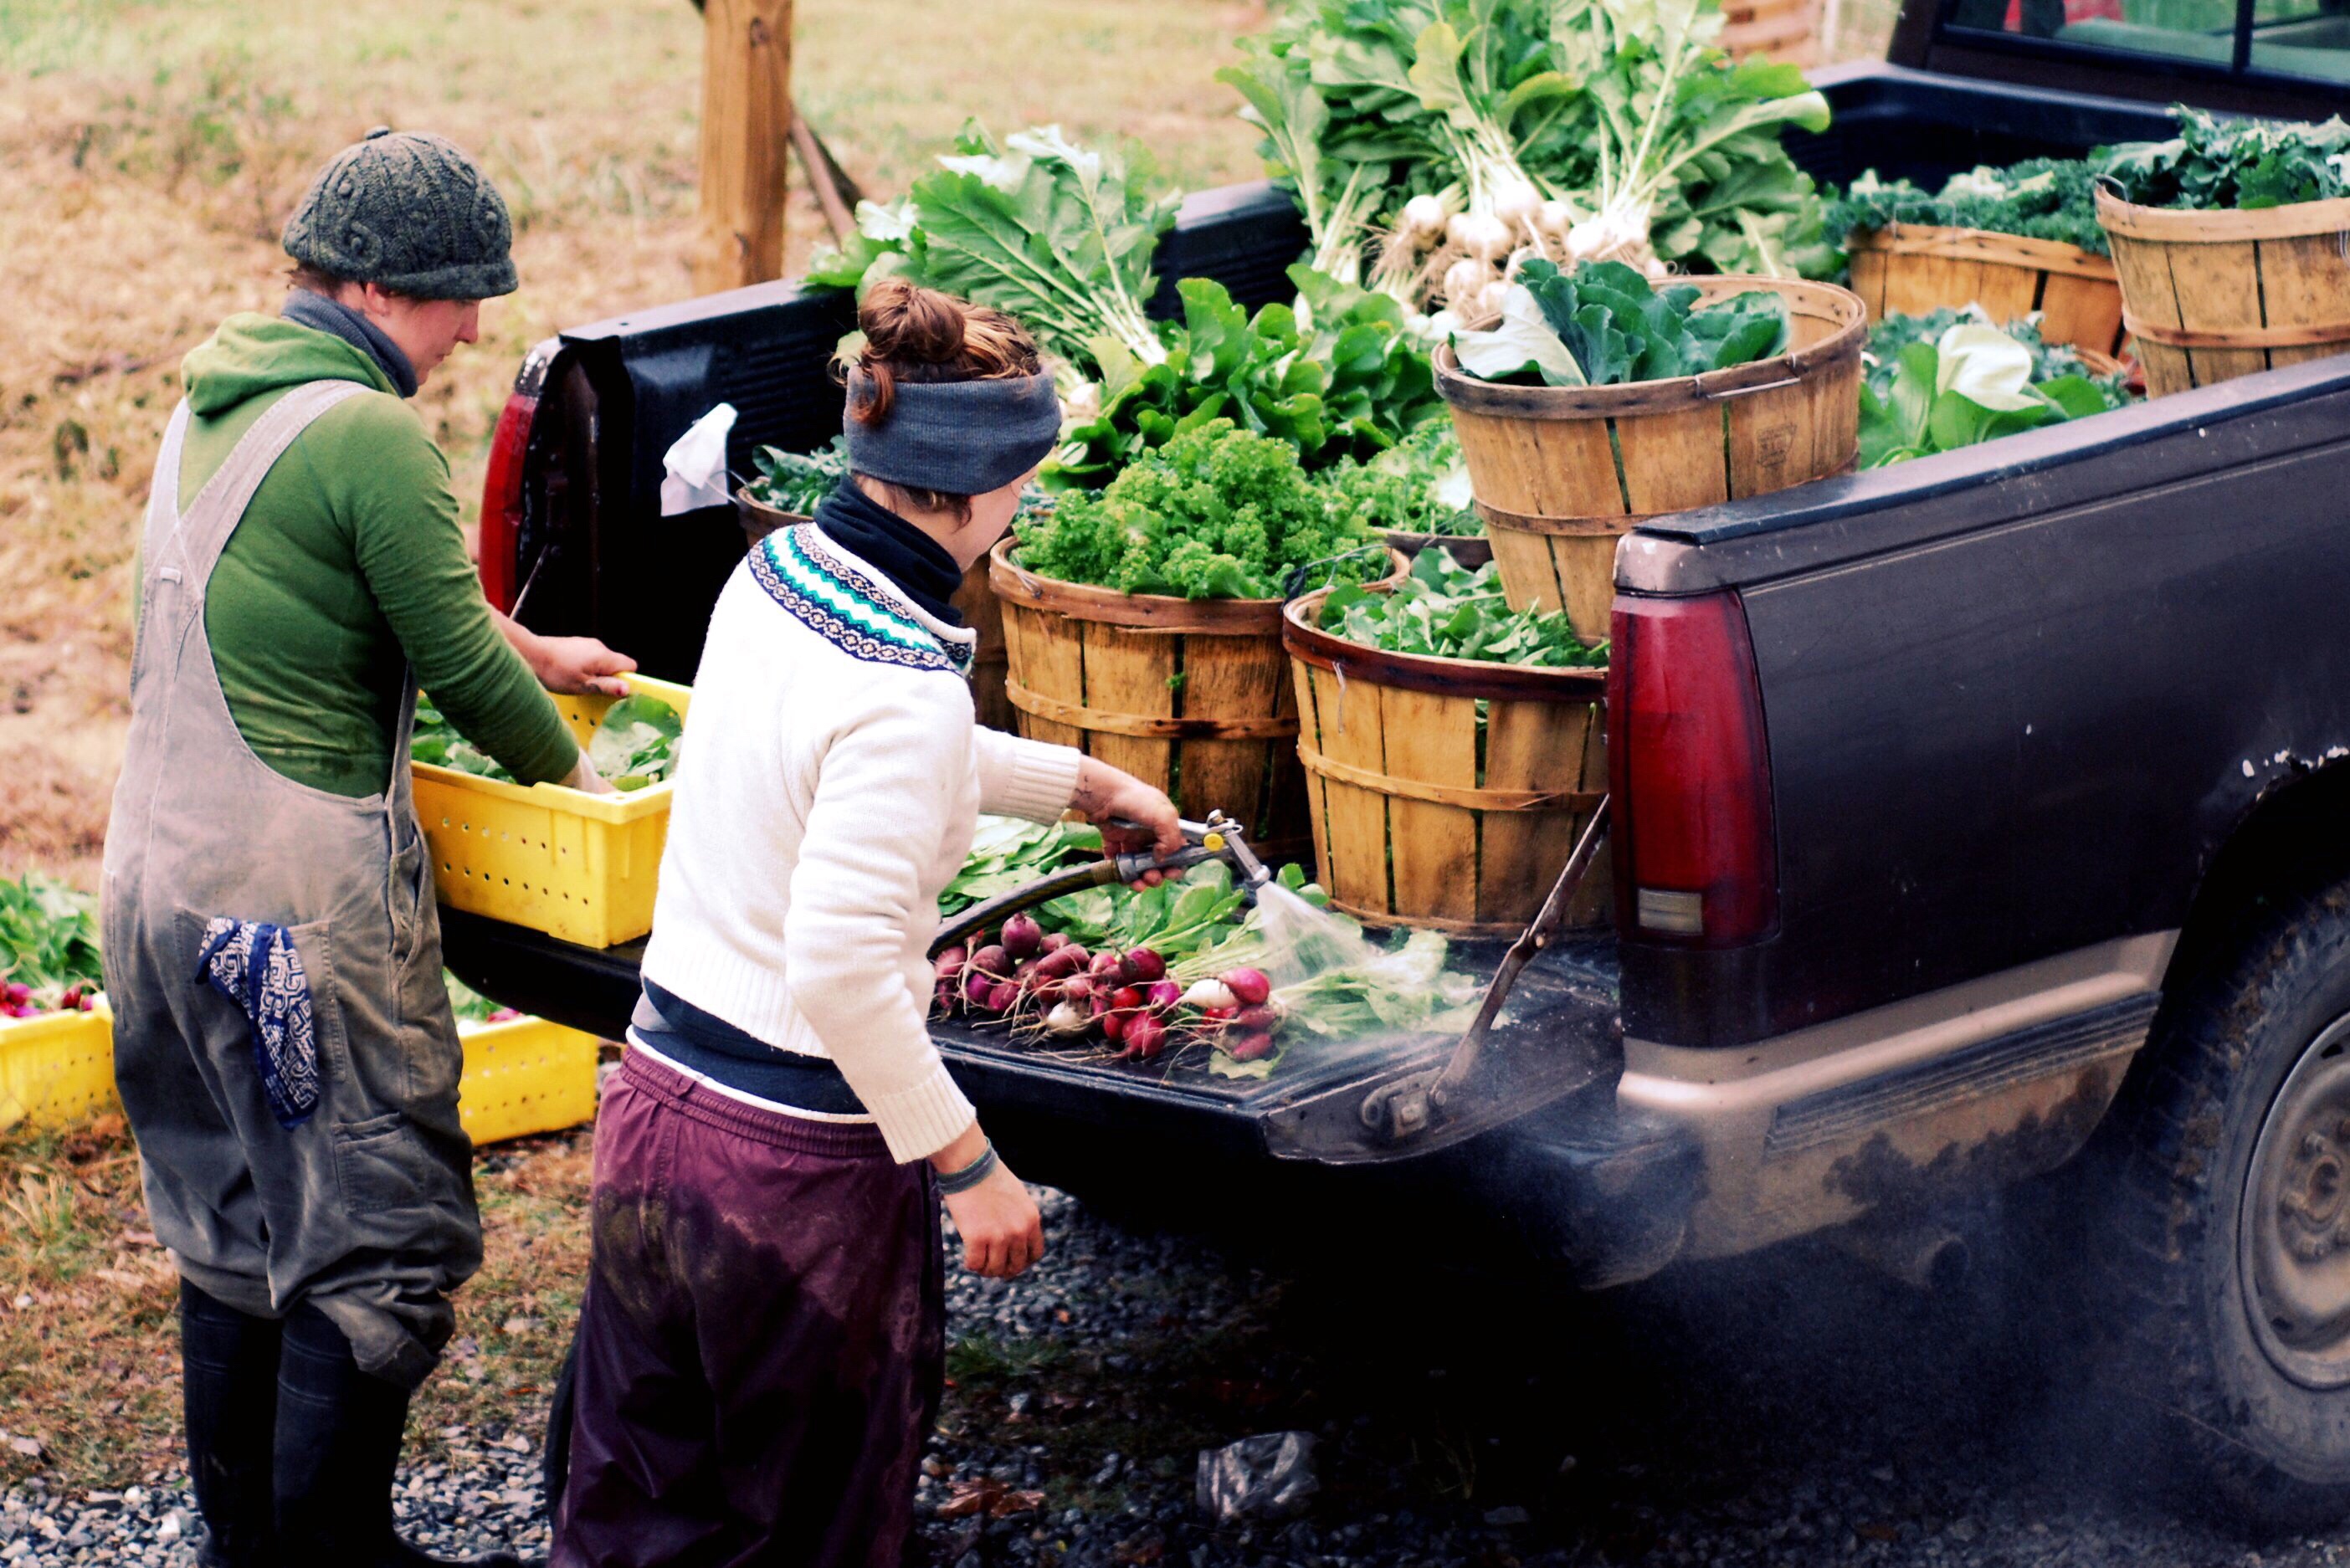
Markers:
{"x": 2014, "y": 242}
{"x": 1452, "y": 748}
{"x": 2228, "y": 241}
{"x": 578, "y": 866}
{"x": 1598, "y": 399}
{"x": 1143, "y": 620}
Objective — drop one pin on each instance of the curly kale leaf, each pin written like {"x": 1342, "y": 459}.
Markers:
{"x": 2039, "y": 199}
{"x": 2215, "y": 164}
{"x": 1217, "y": 513}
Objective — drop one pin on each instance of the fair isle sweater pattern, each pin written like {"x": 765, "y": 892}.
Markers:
{"x": 846, "y": 607}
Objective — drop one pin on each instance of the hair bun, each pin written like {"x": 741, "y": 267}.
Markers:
{"x": 906, "y": 324}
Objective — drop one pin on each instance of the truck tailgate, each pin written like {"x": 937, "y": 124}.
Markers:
{"x": 1559, "y": 1035}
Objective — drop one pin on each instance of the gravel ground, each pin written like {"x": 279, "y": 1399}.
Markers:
{"x": 1793, "y": 1409}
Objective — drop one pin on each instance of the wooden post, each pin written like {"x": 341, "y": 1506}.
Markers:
{"x": 747, "y": 121}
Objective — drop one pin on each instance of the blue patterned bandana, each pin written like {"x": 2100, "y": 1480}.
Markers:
{"x": 254, "y": 964}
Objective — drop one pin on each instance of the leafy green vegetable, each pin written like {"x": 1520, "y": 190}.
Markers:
{"x": 1339, "y": 377}
{"x": 49, "y": 937}
{"x": 1973, "y": 384}
{"x": 878, "y": 247}
{"x": 633, "y": 745}
{"x": 1602, "y": 325}
{"x": 1420, "y": 485}
{"x": 2216, "y": 164}
{"x": 635, "y": 740}
{"x": 1442, "y": 610}
{"x": 1051, "y": 233}
{"x": 1217, "y": 513}
{"x": 1007, "y": 853}
{"x": 2050, "y": 361}
{"x": 2039, "y": 199}
{"x": 798, "y": 482}
{"x": 1684, "y": 158}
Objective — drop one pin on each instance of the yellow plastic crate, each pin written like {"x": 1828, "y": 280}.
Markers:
{"x": 578, "y": 866}
{"x": 56, "y": 1069}
{"x": 524, "y": 1076}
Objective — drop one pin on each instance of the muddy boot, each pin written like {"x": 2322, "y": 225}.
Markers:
{"x": 339, "y": 1434}
{"x": 229, "y": 1384}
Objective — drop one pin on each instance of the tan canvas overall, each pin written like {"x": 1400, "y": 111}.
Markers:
{"x": 366, "y": 1210}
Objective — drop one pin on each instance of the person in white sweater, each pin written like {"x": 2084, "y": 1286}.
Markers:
{"x": 760, "y": 1350}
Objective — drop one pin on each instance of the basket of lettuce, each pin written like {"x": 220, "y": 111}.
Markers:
{"x": 2014, "y": 240}
{"x": 1451, "y": 745}
{"x": 1598, "y": 400}
{"x": 1143, "y": 622}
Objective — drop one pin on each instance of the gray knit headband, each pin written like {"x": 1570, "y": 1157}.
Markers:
{"x": 957, "y": 438}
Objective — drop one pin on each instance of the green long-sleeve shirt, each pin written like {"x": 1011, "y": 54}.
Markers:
{"x": 347, "y": 567}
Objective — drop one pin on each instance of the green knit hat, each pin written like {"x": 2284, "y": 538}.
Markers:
{"x": 407, "y": 210}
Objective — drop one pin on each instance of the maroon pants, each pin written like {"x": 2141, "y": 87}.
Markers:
{"x": 762, "y": 1347}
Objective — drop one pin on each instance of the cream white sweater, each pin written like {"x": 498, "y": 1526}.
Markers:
{"x": 828, "y": 783}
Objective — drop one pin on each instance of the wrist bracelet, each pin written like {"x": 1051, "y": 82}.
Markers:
{"x": 971, "y": 1175}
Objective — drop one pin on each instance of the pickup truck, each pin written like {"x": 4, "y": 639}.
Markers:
{"x": 2011, "y": 782}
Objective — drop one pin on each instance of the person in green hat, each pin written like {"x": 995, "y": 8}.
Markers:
{"x": 284, "y": 1042}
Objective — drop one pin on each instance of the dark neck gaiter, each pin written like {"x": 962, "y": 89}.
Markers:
{"x": 918, "y": 564}
{"x": 321, "y": 314}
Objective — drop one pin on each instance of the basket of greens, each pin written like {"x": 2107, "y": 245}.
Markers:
{"x": 790, "y": 486}
{"x": 1143, "y": 620}
{"x": 1452, "y": 746}
{"x": 1598, "y": 400}
{"x": 1950, "y": 378}
{"x": 2012, "y": 240}
{"x": 2228, "y": 242}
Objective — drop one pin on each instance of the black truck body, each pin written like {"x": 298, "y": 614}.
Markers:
{"x": 2033, "y": 713}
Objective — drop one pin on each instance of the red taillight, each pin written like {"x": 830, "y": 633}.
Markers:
{"x": 1695, "y": 856}
{"x": 502, "y": 501}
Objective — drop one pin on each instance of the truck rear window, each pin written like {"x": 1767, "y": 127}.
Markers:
{"x": 2306, "y": 40}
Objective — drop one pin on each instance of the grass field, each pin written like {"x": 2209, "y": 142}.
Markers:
{"x": 150, "y": 151}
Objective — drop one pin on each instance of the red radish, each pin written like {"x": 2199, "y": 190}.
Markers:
{"x": 1114, "y": 1023}
{"x": 1003, "y": 998}
{"x": 1060, "y": 963}
{"x": 1250, "y": 1047}
{"x": 1146, "y": 1036}
{"x": 1250, "y": 985}
{"x": 1256, "y": 1020}
{"x": 17, "y": 993}
{"x": 1108, "y": 964}
{"x": 1098, "y": 1004}
{"x": 1215, "y": 1014}
{"x": 978, "y": 985}
{"x": 992, "y": 961}
{"x": 1022, "y": 935}
{"x": 1078, "y": 988}
{"x": 945, "y": 994}
{"x": 1054, "y": 941}
{"x": 71, "y": 1000}
{"x": 1126, "y": 999}
{"x": 1142, "y": 966}
{"x": 90, "y": 1005}
{"x": 949, "y": 964}
{"x": 1163, "y": 995}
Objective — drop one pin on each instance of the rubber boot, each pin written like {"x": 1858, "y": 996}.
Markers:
{"x": 339, "y": 1432}
{"x": 228, "y": 1377}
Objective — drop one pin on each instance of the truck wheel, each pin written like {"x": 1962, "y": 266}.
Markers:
{"x": 2232, "y": 1222}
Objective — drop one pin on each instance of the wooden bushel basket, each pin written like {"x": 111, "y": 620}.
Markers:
{"x": 1561, "y": 474}
{"x": 2213, "y": 296}
{"x": 1909, "y": 269}
{"x": 1192, "y": 696}
{"x": 759, "y": 519}
{"x": 1422, "y": 816}
{"x": 1785, "y": 30}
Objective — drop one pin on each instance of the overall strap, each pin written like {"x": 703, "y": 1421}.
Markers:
{"x": 191, "y": 543}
